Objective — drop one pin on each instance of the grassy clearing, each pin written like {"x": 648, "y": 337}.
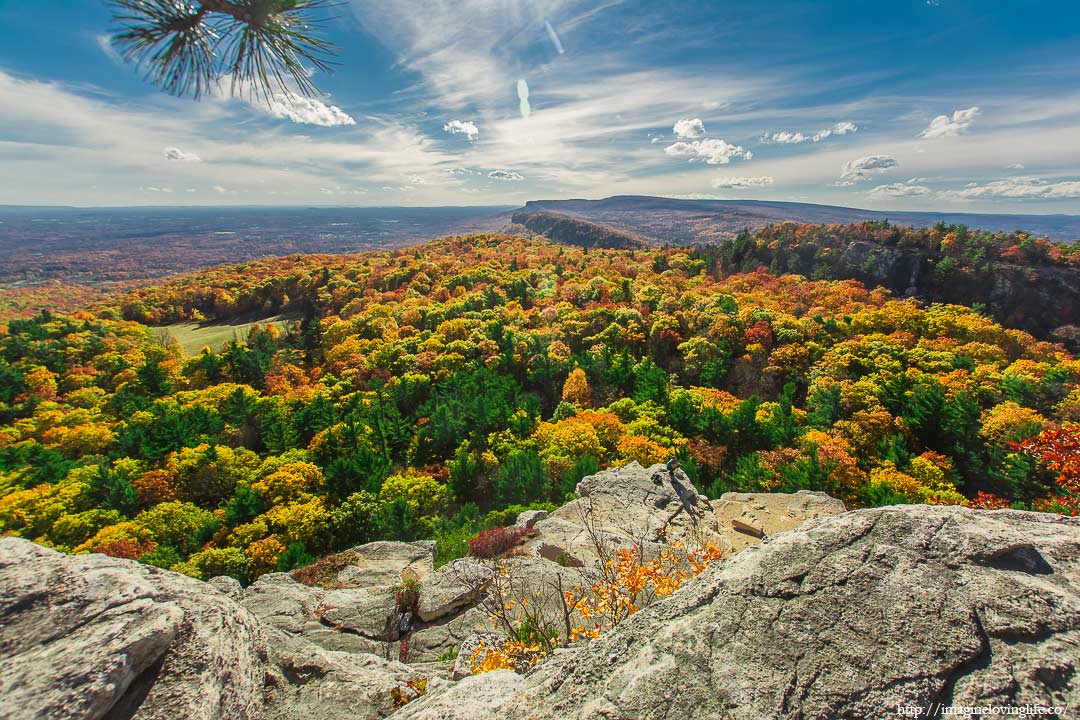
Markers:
{"x": 194, "y": 336}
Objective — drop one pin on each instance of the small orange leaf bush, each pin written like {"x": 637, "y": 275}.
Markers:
{"x": 628, "y": 583}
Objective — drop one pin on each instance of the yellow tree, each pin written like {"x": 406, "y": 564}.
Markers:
{"x": 576, "y": 389}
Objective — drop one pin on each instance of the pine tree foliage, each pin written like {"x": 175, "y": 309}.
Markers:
{"x": 261, "y": 47}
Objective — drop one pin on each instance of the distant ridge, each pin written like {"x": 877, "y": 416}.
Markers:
{"x": 569, "y": 230}
{"x": 674, "y": 220}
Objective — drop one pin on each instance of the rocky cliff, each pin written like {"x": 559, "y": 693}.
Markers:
{"x": 574, "y": 231}
{"x": 1037, "y": 299}
{"x": 820, "y": 614}
{"x": 848, "y": 616}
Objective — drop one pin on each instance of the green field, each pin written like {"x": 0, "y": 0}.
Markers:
{"x": 194, "y": 336}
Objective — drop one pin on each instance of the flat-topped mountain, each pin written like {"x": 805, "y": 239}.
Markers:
{"x": 674, "y": 220}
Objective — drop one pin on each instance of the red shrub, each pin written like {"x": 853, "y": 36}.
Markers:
{"x": 127, "y": 549}
{"x": 493, "y": 543}
{"x": 989, "y": 501}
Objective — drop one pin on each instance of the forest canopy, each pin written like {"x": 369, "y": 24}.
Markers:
{"x": 434, "y": 392}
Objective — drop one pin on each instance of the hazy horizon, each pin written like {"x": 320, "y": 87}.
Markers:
{"x": 508, "y": 206}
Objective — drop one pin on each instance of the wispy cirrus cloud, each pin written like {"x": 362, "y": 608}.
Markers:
{"x": 743, "y": 183}
{"x": 468, "y": 52}
{"x": 595, "y": 102}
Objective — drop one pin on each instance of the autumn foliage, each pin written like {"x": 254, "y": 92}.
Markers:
{"x": 627, "y": 582}
{"x": 493, "y": 543}
{"x": 421, "y": 393}
{"x": 1058, "y": 450}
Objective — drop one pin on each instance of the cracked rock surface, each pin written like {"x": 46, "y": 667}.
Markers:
{"x": 846, "y": 616}
{"x": 90, "y": 636}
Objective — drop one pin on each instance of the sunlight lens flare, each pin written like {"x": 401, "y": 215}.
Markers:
{"x": 553, "y": 35}
{"x": 523, "y": 98}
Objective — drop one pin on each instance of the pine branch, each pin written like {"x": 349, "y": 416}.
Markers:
{"x": 265, "y": 47}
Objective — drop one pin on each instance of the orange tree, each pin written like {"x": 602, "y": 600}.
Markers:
{"x": 1058, "y": 450}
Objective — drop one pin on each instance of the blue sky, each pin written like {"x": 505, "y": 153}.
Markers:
{"x": 906, "y": 104}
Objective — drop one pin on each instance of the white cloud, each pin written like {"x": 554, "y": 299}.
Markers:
{"x": 866, "y": 167}
{"x": 1015, "y": 166}
{"x": 1021, "y": 188}
{"x": 743, "y": 183}
{"x": 156, "y": 189}
{"x": 711, "y": 151}
{"x": 911, "y": 188}
{"x": 944, "y": 126}
{"x": 174, "y": 153}
{"x": 219, "y": 190}
{"x": 304, "y": 110}
{"x": 461, "y": 172}
{"x": 338, "y": 190}
{"x": 462, "y": 127}
{"x": 689, "y": 128}
{"x": 785, "y": 137}
{"x": 843, "y": 128}
{"x": 505, "y": 175}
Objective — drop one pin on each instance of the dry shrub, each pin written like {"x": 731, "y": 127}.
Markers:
{"x": 496, "y": 542}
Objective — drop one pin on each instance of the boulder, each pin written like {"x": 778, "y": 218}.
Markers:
{"x": 295, "y": 608}
{"x": 90, "y": 636}
{"x": 228, "y": 586}
{"x": 322, "y": 684}
{"x": 474, "y": 697}
{"x": 438, "y": 639}
{"x": 626, "y": 506}
{"x": 529, "y": 518}
{"x": 384, "y": 563}
{"x": 452, "y": 588}
{"x": 747, "y": 518}
{"x": 848, "y": 616}
{"x": 346, "y": 602}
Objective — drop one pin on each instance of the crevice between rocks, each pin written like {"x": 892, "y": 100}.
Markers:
{"x": 129, "y": 703}
{"x": 979, "y": 661}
